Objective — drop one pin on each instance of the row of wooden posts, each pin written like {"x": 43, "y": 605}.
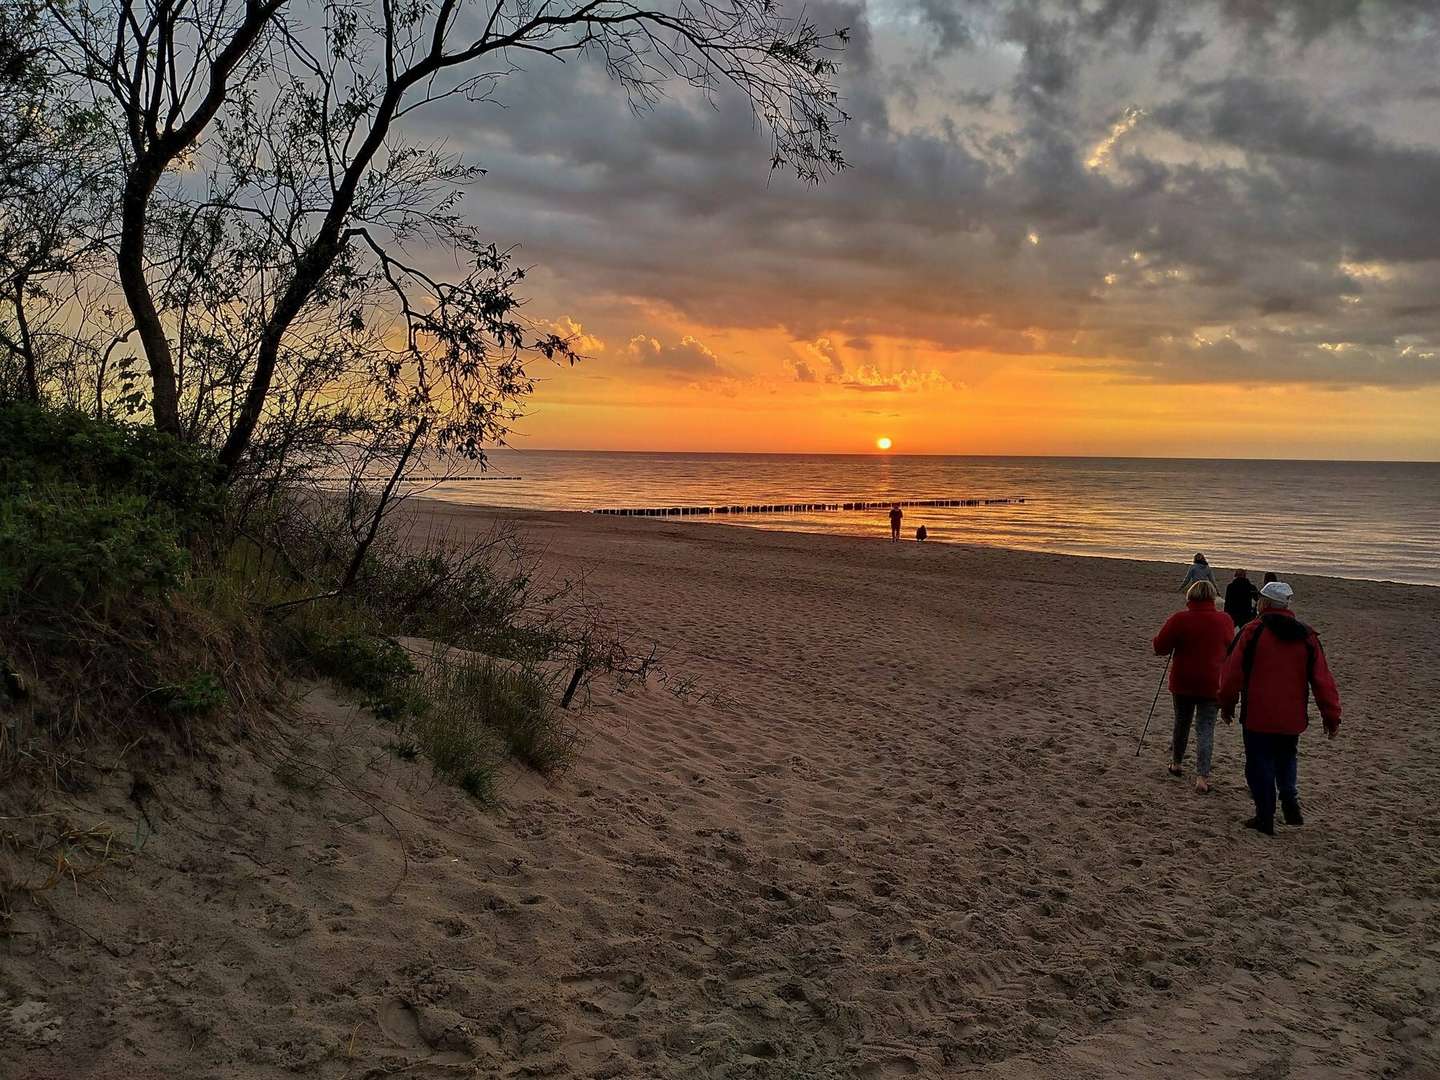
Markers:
{"x": 797, "y": 508}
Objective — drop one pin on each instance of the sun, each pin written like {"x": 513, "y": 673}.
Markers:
{"x": 883, "y": 442}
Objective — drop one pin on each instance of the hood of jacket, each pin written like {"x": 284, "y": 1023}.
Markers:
{"x": 1284, "y": 625}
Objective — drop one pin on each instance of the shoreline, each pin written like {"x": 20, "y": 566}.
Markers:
{"x": 434, "y": 505}
{"x": 876, "y": 453}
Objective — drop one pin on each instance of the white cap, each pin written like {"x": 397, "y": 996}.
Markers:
{"x": 1279, "y": 592}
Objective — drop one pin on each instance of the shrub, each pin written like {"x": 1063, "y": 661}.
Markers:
{"x": 374, "y": 666}
{"x": 100, "y": 598}
{"x": 131, "y": 607}
{"x": 41, "y": 449}
{"x": 202, "y": 694}
{"x": 476, "y": 593}
{"x": 512, "y": 702}
{"x": 70, "y": 546}
{"x": 93, "y": 510}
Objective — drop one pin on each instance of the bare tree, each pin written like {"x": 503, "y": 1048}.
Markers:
{"x": 54, "y": 179}
{"x": 269, "y": 199}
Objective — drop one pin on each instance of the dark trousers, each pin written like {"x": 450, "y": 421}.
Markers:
{"x": 1271, "y": 765}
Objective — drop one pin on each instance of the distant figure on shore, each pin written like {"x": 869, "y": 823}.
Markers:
{"x": 1270, "y": 576}
{"x": 1197, "y": 637}
{"x": 921, "y": 533}
{"x": 1275, "y": 664}
{"x": 1199, "y": 571}
{"x": 1240, "y": 597}
{"x": 896, "y": 514}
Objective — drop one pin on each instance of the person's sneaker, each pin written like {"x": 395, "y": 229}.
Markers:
{"x": 1290, "y": 808}
{"x": 1264, "y": 825}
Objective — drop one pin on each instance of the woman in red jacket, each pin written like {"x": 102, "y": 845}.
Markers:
{"x": 1198, "y": 638}
{"x": 1275, "y": 664}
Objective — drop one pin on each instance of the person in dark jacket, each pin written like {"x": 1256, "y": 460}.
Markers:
{"x": 1199, "y": 570}
{"x": 896, "y": 514}
{"x": 1197, "y": 637}
{"x": 1273, "y": 666}
{"x": 1240, "y": 597}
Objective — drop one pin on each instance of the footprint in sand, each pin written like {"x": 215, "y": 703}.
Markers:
{"x": 401, "y": 1024}
{"x": 911, "y": 945}
{"x": 899, "y": 1065}
{"x": 614, "y": 994}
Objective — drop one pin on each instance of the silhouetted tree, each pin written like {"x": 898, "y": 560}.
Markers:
{"x": 266, "y": 197}
{"x": 54, "y": 179}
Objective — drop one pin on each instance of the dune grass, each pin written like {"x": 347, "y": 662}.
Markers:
{"x": 142, "y": 600}
{"x": 470, "y": 713}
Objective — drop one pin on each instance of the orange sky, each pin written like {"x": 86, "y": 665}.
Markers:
{"x": 1201, "y": 229}
{"x": 974, "y": 403}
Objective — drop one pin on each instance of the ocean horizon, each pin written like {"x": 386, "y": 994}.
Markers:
{"x": 1372, "y": 520}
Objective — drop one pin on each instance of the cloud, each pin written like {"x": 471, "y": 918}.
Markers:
{"x": 870, "y": 379}
{"x": 1129, "y": 117}
{"x": 1239, "y": 170}
{"x": 953, "y": 31}
{"x": 687, "y": 357}
{"x": 804, "y": 372}
{"x": 824, "y": 354}
{"x": 583, "y": 343}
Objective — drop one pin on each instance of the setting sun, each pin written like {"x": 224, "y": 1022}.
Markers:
{"x": 884, "y": 442}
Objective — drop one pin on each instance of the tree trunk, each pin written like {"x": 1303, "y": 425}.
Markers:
{"x": 315, "y": 264}
{"x": 297, "y": 293}
{"x": 27, "y": 345}
{"x": 353, "y": 570}
{"x": 130, "y": 260}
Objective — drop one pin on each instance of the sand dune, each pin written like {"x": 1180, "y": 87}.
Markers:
{"x": 907, "y": 836}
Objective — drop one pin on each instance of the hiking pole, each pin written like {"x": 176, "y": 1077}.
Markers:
{"x": 1153, "y": 704}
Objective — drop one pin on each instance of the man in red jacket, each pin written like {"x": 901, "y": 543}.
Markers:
{"x": 1274, "y": 664}
{"x": 1198, "y": 637}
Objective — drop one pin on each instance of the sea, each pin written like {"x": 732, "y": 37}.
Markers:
{"x": 1372, "y": 520}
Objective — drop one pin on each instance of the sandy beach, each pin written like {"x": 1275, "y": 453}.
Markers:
{"x": 896, "y": 827}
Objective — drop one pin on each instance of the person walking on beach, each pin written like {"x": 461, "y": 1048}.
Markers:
{"x": 1199, "y": 571}
{"x": 1196, "y": 639}
{"x": 1240, "y": 597}
{"x": 896, "y": 514}
{"x": 1274, "y": 665}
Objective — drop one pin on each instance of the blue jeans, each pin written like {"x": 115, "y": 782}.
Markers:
{"x": 1272, "y": 764}
{"x": 1203, "y": 711}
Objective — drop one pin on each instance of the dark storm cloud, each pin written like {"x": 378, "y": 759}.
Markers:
{"x": 950, "y": 22}
{"x": 1183, "y": 192}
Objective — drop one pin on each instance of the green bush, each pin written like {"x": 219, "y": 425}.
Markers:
{"x": 374, "y": 666}
{"x": 70, "y": 546}
{"x": 94, "y": 510}
{"x": 200, "y": 695}
{"x": 108, "y": 579}
{"x": 44, "y": 448}
{"x": 130, "y": 604}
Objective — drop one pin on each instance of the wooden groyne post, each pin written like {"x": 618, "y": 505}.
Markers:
{"x": 799, "y": 507}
